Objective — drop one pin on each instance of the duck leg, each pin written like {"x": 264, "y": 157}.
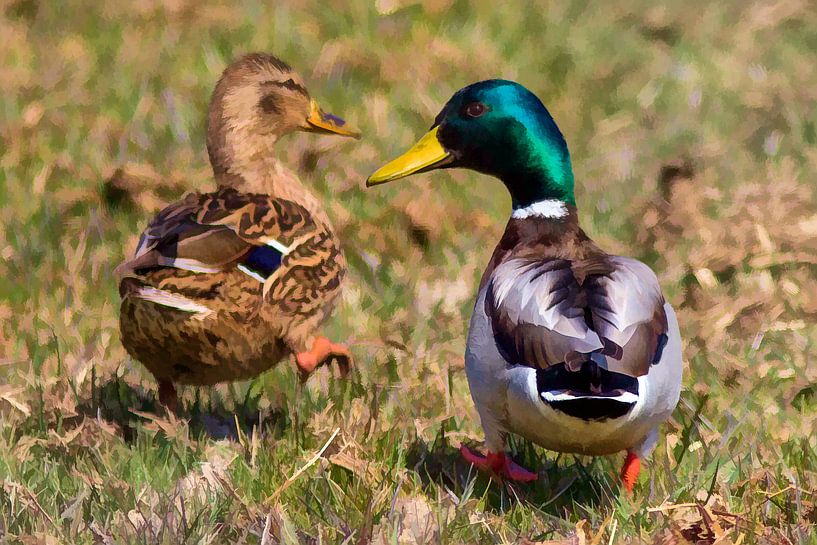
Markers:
{"x": 629, "y": 473}
{"x": 498, "y": 463}
{"x": 167, "y": 395}
{"x": 323, "y": 350}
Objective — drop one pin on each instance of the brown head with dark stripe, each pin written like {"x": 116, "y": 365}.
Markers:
{"x": 258, "y": 99}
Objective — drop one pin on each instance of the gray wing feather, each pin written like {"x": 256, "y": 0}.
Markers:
{"x": 534, "y": 310}
{"x": 628, "y": 309}
{"x": 174, "y": 239}
{"x": 540, "y": 313}
{"x": 624, "y": 299}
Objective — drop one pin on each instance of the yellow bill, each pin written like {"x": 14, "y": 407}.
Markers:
{"x": 320, "y": 121}
{"x": 426, "y": 154}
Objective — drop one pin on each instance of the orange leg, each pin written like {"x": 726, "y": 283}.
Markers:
{"x": 629, "y": 473}
{"x": 167, "y": 395}
{"x": 498, "y": 463}
{"x": 323, "y": 350}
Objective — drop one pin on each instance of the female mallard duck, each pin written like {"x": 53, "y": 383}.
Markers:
{"x": 225, "y": 284}
{"x": 570, "y": 347}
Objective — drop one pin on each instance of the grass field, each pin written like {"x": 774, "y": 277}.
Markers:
{"x": 693, "y": 132}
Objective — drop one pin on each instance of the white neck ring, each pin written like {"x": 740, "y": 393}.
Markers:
{"x": 548, "y": 208}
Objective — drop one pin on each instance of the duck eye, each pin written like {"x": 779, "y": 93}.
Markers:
{"x": 475, "y": 109}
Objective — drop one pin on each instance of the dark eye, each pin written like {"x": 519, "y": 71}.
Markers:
{"x": 475, "y": 109}
{"x": 269, "y": 104}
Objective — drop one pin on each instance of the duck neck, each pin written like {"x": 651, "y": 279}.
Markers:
{"x": 249, "y": 165}
{"x": 245, "y": 162}
{"x": 539, "y": 177}
{"x": 538, "y": 173}
{"x": 558, "y": 225}
{"x": 537, "y": 193}
{"x": 260, "y": 175}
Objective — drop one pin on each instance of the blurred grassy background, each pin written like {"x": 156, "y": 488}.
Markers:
{"x": 692, "y": 129}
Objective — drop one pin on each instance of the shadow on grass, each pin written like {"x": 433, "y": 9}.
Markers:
{"x": 564, "y": 486}
{"x": 213, "y": 417}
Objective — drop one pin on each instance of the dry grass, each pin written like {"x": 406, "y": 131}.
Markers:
{"x": 693, "y": 132}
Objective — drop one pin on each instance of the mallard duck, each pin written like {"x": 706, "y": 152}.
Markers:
{"x": 570, "y": 347}
{"x": 225, "y": 284}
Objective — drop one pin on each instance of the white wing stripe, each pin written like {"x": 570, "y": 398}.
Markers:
{"x": 253, "y": 274}
{"x": 278, "y": 246}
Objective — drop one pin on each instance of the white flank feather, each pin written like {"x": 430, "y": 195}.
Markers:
{"x": 173, "y": 300}
{"x": 187, "y": 264}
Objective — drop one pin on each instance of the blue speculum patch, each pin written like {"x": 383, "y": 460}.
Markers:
{"x": 335, "y": 119}
{"x": 263, "y": 260}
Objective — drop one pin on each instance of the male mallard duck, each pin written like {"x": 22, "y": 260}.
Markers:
{"x": 225, "y": 284}
{"x": 570, "y": 347}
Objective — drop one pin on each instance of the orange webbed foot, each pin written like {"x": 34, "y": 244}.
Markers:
{"x": 322, "y": 352}
{"x": 498, "y": 463}
{"x": 629, "y": 473}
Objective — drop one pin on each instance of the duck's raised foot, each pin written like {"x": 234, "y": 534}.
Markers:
{"x": 629, "y": 473}
{"x": 323, "y": 351}
{"x": 499, "y": 464}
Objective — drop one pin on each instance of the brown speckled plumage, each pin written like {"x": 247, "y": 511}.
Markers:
{"x": 191, "y": 311}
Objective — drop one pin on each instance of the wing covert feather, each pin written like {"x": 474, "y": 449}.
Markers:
{"x": 213, "y": 232}
{"x": 543, "y": 311}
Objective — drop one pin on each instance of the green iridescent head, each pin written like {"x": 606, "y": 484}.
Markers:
{"x": 500, "y": 128}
